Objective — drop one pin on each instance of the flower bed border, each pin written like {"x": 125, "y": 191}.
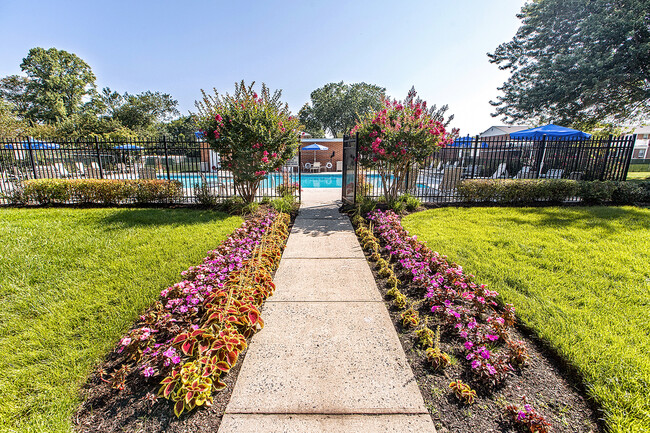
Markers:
{"x": 218, "y": 300}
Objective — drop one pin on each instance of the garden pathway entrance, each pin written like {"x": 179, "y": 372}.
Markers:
{"x": 328, "y": 359}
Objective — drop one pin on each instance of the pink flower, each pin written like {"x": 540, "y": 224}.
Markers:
{"x": 218, "y": 118}
{"x": 148, "y": 372}
{"x": 125, "y": 341}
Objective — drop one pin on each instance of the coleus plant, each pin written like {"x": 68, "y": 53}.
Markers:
{"x": 197, "y": 330}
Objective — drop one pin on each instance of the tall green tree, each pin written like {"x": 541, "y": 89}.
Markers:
{"x": 10, "y": 126}
{"x": 577, "y": 62}
{"x": 337, "y": 107}
{"x": 54, "y": 87}
{"x": 144, "y": 110}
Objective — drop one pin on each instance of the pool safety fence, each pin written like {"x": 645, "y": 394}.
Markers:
{"x": 191, "y": 162}
{"x": 435, "y": 180}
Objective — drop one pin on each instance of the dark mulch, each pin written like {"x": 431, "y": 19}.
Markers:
{"x": 107, "y": 410}
{"x": 551, "y": 386}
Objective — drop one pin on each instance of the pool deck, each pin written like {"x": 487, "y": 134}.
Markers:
{"x": 328, "y": 358}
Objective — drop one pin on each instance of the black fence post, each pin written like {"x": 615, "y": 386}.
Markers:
{"x": 356, "y": 166}
{"x": 99, "y": 159}
{"x": 476, "y": 141}
{"x": 628, "y": 158}
{"x": 605, "y": 162}
{"x": 31, "y": 156}
{"x": 299, "y": 170}
{"x": 166, "y": 157}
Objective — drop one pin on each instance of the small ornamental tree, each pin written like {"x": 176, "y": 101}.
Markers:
{"x": 253, "y": 134}
{"x": 401, "y": 134}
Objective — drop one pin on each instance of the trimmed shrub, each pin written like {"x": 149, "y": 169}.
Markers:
{"x": 100, "y": 191}
{"x": 596, "y": 192}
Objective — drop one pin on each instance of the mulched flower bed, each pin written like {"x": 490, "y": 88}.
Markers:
{"x": 152, "y": 352}
{"x": 545, "y": 386}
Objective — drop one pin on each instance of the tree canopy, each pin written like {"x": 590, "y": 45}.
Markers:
{"x": 53, "y": 89}
{"x": 577, "y": 62}
{"x": 337, "y": 107}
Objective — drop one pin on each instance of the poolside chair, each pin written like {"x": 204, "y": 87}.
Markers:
{"x": 339, "y": 165}
{"x": 526, "y": 172}
{"x": 450, "y": 179}
{"x": 554, "y": 173}
{"x": 61, "y": 170}
{"x": 81, "y": 169}
{"x": 501, "y": 172}
{"x": 316, "y": 167}
{"x": 218, "y": 184}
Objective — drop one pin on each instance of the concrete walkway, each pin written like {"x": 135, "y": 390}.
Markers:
{"x": 328, "y": 359}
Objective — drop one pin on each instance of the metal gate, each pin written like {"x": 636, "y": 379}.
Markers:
{"x": 349, "y": 175}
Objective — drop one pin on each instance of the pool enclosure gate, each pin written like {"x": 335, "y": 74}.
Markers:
{"x": 435, "y": 179}
{"x": 189, "y": 161}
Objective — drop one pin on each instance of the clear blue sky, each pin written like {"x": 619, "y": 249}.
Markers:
{"x": 297, "y": 46}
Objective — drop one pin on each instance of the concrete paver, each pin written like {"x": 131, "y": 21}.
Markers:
{"x": 328, "y": 358}
{"x": 301, "y": 423}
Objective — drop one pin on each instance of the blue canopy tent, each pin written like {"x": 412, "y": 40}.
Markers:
{"x": 33, "y": 144}
{"x": 462, "y": 142}
{"x": 315, "y": 147}
{"x": 131, "y": 147}
{"x": 550, "y": 131}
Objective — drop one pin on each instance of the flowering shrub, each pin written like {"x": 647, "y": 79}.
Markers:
{"x": 254, "y": 134}
{"x": 528, "y": 418}
{"x": 400, "y": 134}
{"x": 456, "y": 299}
{"x": 198, "y": 328}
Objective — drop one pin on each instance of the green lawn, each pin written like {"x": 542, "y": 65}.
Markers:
{"x": 71, "y": 282}
{"x": 579, "y": 276}
{"x": 634, "y": 175}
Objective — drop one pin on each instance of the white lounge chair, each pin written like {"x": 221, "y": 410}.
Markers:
{"x": 81, "y": 169}
{"x": 501, "y": 172}
{"x": 61, "y": 170}
{"x": 526, "y": 172}
{"x": 554, "y": 173}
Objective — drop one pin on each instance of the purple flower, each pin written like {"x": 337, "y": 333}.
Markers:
{"x": 469, "y": 345}
{"x": 521, "y": 416}
{"x": 148, "y": 372}
{"x": 475, "y": 364}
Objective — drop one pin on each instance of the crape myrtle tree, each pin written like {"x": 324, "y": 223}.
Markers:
{"x": 400, "y": 135}
{"x": 254, "y": 134}
{"x": 582, "y": 63}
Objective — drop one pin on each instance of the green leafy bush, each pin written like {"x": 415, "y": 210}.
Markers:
{"x": 99, "y": 191}
{"x": 524, "y": 191}
{"x": 596, "y": 192}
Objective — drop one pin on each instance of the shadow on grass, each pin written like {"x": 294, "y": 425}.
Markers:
{"x": 161, "y": 217}
{"x": 606, "y": 218}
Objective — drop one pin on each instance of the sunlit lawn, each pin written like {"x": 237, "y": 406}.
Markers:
{"x": 71, "y": 282}
{"x": 634, "y": 175}
{"x": 580, "y": 277}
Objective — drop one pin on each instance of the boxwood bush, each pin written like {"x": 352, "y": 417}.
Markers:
{"x": 528, "y": 191}
{"x": 96, "y": 191}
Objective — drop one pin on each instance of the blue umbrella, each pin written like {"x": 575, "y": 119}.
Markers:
{"x": 315, "y": 147}
{"x": 34, "y": 144}
{"x": 128, "y": 147}
{"x": 550, "y": 131}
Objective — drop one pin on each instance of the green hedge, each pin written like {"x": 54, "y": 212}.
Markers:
{"x": 97, "y": 191}
{"x": 528, "y": 191}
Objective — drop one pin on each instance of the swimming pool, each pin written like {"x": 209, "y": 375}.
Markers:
{"x": 309, "y": 180}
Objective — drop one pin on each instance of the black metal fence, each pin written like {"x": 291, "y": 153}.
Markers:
{"x": 190, "y": 162}
{"x": 435, "y": 180}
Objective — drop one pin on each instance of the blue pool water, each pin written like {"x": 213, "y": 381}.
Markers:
{"x": 309, "y": 180}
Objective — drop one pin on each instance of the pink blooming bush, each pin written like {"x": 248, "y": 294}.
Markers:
{"x": 254, "y": 134}
{"x": 454, "y": 296}
{"x": 399, "y": 136}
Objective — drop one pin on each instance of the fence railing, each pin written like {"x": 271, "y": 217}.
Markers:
{"x": 190, "y": 162}
{"x": 435, "y": 179}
